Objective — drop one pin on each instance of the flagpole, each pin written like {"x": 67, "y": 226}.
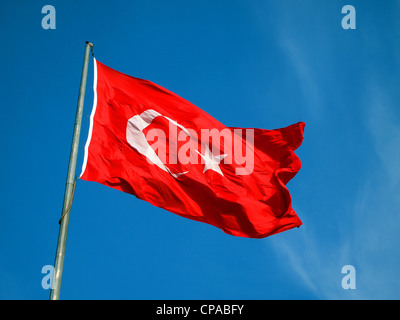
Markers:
{"x": 70, "y": 184}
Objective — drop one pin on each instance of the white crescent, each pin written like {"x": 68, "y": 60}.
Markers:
{"x": 136, "y": 138}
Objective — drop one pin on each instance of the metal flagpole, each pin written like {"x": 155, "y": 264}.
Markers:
{"x": 70, "y": 184}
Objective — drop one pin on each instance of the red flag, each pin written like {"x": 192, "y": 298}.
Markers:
{"x": 147, "y": 141}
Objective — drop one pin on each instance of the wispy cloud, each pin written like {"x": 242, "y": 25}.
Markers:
{"x": 377, "y": 209}
{"x": 369, "y": 237}
{"x": 383, "y": 124}
{"x": 316, "y": 264}
{"x": 305, "y": 74}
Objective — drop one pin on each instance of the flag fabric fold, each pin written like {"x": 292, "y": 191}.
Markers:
{"x": 147, "y": 141}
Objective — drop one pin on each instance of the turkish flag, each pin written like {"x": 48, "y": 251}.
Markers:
{"x": 147, "y": 141}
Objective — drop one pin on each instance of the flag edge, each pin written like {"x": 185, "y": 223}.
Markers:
{"x": 94, "y": 107}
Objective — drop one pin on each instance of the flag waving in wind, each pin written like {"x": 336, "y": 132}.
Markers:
{"x": 147, "y": 141}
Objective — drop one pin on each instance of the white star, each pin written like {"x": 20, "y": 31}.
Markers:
{"x": 211, "y": 161}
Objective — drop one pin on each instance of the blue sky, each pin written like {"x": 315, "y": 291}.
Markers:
{"x": 265, "y": 64}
